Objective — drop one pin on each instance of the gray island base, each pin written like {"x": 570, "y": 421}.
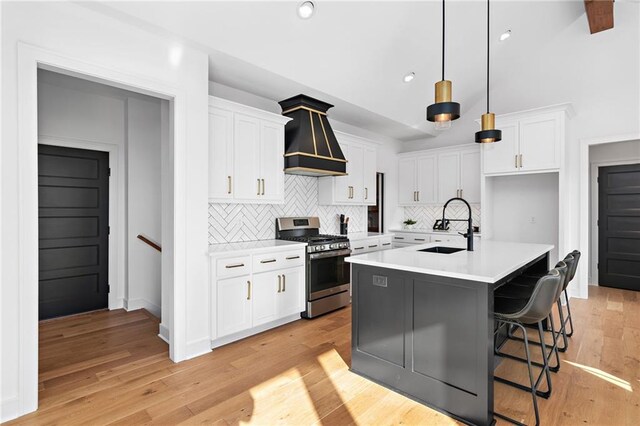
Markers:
{"x": 422, "y": 323}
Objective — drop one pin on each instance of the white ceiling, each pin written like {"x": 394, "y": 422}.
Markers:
{"x": 354, "y": 54}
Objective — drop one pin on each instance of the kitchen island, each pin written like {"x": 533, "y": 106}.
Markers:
{"x": 422, "y": 322}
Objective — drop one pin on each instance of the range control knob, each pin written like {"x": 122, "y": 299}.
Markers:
{"x": 322, "y": 247}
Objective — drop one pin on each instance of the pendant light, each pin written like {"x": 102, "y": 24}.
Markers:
{"x": 443, "y": 111}
{"x": 489, "y": 133}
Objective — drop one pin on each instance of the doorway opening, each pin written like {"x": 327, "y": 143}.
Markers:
{"x": 375, "y": 213}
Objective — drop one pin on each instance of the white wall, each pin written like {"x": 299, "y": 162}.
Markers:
{"x": 526, "y": 209}
{"x": 72, "y": 36}
{"x": 144, "y": 193}
{"x": 600, "y": 156}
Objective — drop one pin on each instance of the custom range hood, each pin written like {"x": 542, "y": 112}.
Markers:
{"x": 311, "y": 148}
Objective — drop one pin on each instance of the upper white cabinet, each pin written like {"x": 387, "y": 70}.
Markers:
{"x": 359, "y": 185}
{"x": 435, "y": 176}
{"x": 246, "y": 148}
{"x": 532, "y": 141}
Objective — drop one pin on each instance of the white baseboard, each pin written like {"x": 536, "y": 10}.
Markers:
{"x": 197, "y": 348}
{"x": 135, "y": 304}
{"x": 216, "y": 343}
{"x": 116, "y": 304}
{"x": 163, "y": 333}
{"x": 10, "y": 409}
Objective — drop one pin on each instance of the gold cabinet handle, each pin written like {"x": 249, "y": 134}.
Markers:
{"x": 520, "y": 160}
{"x": 228, "y": 184}
{"x": 293, "y": 257}
{"x": 418, "y": 195}
{"x": 279, "y": 283}
{"x": 366, "y": 193}
{"x": 284, "y": 282}
{"x": 248, "y": 290}
{"x": 461, "y": 193}
{"x": 258, "y": 186}
{"x": 516, "y": 161}
{"x": 373, "y": 246}
{"x": 235, "y": 265}
{"x": 268, "y": 261}
{"x": 262, "y": 186}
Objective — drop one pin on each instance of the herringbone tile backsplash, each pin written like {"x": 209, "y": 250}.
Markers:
{"x": 427, "y": 215}
{"x": 249, "y": 222}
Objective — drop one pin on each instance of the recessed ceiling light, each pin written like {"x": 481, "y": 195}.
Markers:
{"x": 408, "y": 77}
{"x": 306, "y": 9}
{"x": 505, "y": 35}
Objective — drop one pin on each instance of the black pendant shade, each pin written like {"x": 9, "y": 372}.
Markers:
{"x": 450, "y": 109}
{"x": 488, "y": 136}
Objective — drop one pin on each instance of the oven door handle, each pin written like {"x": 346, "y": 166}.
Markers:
{"x": 334, "y": 253}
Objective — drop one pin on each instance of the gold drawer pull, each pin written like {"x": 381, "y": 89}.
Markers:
{"x": 229, "y": 185}
{"x": 293, "y": 257}
{"x": 235, "y": 265}
{"x": 386, "y": 244}
{"x": 399, "y": 238}
{"x": 279, "y": 283}
{"x": 284, "y": 282}
{"x": 418, "y": 239}
{"x": 248, "y": 290}
{"x": 375, "y": 245}
{"x": 268, "y": 261}
{"x": 358, "y": 248}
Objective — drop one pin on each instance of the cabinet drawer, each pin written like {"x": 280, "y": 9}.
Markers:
{"x": 361, "y": 246}
{"x": 291, "y": 259}
{"x": 233, "y": 266}
{"x": 267, "y": 262}
{"x": 385, "y": 243}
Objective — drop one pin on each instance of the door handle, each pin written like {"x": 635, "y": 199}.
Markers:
{"x": 258, "y": 186}
{"x": 248, "y": 290}
{"x": 279, "y": 283}
{"x": 262, "y": 186}
{"x": 228, "y": 184}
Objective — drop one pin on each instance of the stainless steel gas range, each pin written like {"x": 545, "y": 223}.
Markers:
{"x": 328, "y": 275}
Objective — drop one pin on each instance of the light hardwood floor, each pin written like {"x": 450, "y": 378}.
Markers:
{"x": 111, "y": 368}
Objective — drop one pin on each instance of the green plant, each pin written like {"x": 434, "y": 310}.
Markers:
{"x": 409, "y": 222}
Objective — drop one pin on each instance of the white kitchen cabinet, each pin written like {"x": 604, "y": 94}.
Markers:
{"x": 270, "y": 292}
{"x": 358, "y": 186}
{"x": 370, "y": 168}
{"x": 220, "y": 153}
{"x": 531, "y": 142}
{"x": 290, "y": 299}
{"x": 233, "y": 307}
{"x": 368, "y": 244}
{"x": 264, "y": 301}
{"x": 470, "y": 175}
{"x": 434, "y": 176}
{"x": 407, "y": 181}
{"x": 448, "y": 176}
{"x": 246, "y": 148}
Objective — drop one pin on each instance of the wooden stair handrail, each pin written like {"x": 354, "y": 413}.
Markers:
{"x": 151, "y": 243}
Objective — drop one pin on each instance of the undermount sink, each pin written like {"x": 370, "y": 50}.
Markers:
{"x": 442, "y": 250}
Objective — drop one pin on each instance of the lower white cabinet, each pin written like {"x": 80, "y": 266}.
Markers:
{"x": 268, "y": 291}
{"x": 233, "y": 307}
{"x": 407, "y": 238}
{"x": 370, "y": 244}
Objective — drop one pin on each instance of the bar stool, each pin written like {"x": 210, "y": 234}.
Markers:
{"x": 517, "y": 312}
{"x": 521, "y": 288}
{"x": 576, "y": 254}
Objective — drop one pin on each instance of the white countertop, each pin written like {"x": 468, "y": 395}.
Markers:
{"x": 365, "y": 235}
{"x": 430, "y": 231}
{"x": 489, "y": 262}
{"x": 250, "y": 247}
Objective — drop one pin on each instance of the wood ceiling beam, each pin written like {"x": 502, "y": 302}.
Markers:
{"x": 599, "y": 14}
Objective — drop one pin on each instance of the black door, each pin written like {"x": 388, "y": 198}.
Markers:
{"x": 73, "y": 197}
{"x": 619, "y": 226}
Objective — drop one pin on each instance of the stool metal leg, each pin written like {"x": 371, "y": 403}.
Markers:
{"x": 566, "y": 296}
{"x": 533, "y": 383}
{"x": 563, "y": 328}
